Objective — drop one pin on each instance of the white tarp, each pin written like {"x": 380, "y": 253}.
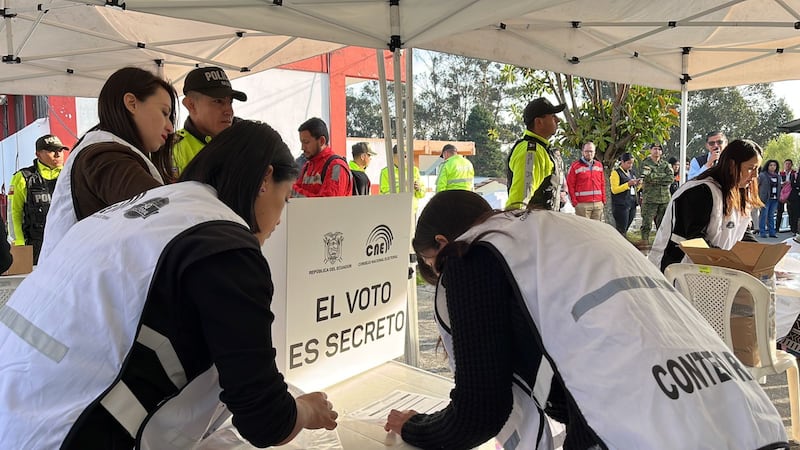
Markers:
{"x": 632, "y": 41}
{"x": 59, "y": 47}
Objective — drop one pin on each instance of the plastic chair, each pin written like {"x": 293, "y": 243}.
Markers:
{"x": 7, "y": 287}
{"x": 711, "y": 290}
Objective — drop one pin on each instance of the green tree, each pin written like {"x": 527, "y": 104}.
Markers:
{"x": 448, "y": 90}
{"x": 747, "y": 112}
{"x": 781, "y": 148}
{"x": 364, "y": 111}
{"x": 489, "y": 160}
{"x": 617, "y": 117}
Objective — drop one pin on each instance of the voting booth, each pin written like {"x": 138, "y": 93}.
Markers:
{"x": 340, "y": 269}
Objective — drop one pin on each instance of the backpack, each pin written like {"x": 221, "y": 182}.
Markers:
{"x": 359, "y": 186}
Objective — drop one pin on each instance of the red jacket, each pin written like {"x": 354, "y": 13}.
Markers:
{"x": 586, "y": 183}
{"x": 337, "y": 183}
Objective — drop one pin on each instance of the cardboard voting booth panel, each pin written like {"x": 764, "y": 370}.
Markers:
{"x": 340, "y": 269}
{"x": 754, "y": 258}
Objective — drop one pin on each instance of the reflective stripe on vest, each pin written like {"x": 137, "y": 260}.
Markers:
{"x": 527, "y": 428}
{"x": 686, "y": 374}
{"x": 88, "y": 350}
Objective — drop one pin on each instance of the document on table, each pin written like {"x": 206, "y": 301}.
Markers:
{"x": 378, "y": 410}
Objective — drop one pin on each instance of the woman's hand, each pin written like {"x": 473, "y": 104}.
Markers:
{"x": 397, "y": 419}
{"x": 317, "y": 412}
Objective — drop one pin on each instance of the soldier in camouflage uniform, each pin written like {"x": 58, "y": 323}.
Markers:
{"x": 657, "y": 175}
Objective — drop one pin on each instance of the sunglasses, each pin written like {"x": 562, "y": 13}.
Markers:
{"x": 719, "y": 142}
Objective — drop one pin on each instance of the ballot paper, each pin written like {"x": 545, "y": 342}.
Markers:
{"x": 378, "y": 410}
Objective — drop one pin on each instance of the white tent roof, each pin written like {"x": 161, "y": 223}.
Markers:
{"x": 61, "y": 47}
{"x": 633, "y": 41}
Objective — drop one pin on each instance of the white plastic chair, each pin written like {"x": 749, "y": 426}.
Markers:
{"x": 711, "y": 290}
{"x": 7, "y": 287}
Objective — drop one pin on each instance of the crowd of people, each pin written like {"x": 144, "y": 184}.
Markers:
{"x": 133, "y": 349}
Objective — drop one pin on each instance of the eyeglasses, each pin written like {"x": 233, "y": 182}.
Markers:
{"x": 719, "y": 142}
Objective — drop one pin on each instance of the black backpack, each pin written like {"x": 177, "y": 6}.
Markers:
{"x": 358, "y": 183}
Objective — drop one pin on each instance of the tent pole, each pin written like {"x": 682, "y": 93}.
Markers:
{"x": 387, "y": 126}
{"x": 412, "y": 310}
{"x": 398, "y": 119}
{"x": 684, "y": 113}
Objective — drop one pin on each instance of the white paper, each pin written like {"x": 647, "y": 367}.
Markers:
{"x": 378, "y": 410}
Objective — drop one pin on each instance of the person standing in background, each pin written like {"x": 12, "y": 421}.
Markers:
{"x": 362, "y": 155}
{"x": 785, "y": 174}
{"x": 657, "y": 176}
{"x": 456, "y": 172}
{"x": 419, "y": 187}
{"x": 534, "y": 170}
{"x": 715, "y": 144}
{"x": 325, "y": 174}
{"x": 208, "y": 96}
{"x": 586, "y": 184}
{"x": 624, "y": 193}
{"x": 769, "y": 182}
{"x": 31, "y": 191}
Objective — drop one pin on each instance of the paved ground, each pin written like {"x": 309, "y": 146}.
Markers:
{"x": 433, "y": 360}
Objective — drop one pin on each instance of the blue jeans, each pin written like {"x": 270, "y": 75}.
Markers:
{"x": 768, "y": 214}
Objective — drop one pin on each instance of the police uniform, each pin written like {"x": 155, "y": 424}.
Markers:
{"x": 31, "y": 191}
{"x": 456, "y": 173}
{"x": 210, "y": 81}
{"x": 535, "y": 172}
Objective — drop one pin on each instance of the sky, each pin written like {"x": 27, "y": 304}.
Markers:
{"x": 790, "y": 90}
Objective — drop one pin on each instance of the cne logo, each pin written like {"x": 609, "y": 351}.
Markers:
{"x": 379, "y": 240}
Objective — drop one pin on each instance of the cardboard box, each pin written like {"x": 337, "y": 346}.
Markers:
{"x": 745, "y": 346}
{"x": 754, "y": 258}
{"x": 23, "y": 260}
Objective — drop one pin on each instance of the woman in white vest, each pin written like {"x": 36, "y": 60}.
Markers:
{"x": 166, "y": 312}
{"x": 602, "y": 341}
{"x": 112, "y": 161}
{"x": 714, "y": 206}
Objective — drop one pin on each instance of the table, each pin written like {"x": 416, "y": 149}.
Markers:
{"x": 376, "y": 383}
{"x": 351, "y": 395}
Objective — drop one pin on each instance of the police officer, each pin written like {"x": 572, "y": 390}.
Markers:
{"x": 535, "y": 169}
{"x": 31, "y": 189}
{"x": 209, "y": 99}
{"x": 456, "y": 171}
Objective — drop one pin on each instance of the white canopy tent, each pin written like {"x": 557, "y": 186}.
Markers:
{"x": 678, "y": 45}
{"x": 59, "y": 47}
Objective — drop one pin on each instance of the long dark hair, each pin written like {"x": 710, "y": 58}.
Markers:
{"x": 235, "y": 162}
{"x": 450, "y": 214}
{"x": 727, "y": 172}
{"x": 770, "y": 161}
{"x": 116, "y": 119}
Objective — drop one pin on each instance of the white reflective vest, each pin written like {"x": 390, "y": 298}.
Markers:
{"x": 65, "y": 339}
{"x": 722, "y": 232}
{"x": 527, "y": 427}
{"x": 61, "y": 215}
{"x": 643, "y": 367}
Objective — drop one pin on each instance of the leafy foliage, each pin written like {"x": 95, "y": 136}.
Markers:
{"x": 617, "y": 117}
{"x": 781, "y": 148}
{"x": 489, "y": 160}
{"x": 748, "y": 112}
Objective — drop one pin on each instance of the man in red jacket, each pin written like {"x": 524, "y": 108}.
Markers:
{"x": 325, "y": 174}
{"x": 586, "y": 184}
